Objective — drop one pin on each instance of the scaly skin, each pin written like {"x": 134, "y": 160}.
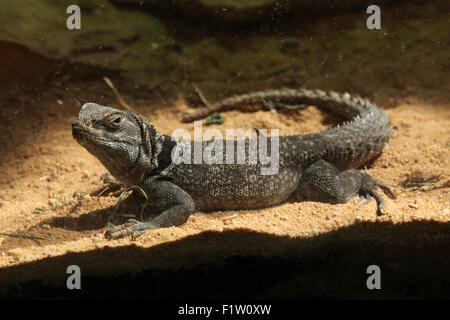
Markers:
{"x": 321, "y": 166}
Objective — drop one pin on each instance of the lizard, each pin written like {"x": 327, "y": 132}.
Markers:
{"x": 321, "y": 166}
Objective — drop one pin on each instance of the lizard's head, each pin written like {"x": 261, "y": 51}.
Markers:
{"x": 106, "y": 130}
{"x": 117, "y": 138}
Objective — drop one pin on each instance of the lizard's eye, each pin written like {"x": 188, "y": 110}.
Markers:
{"x": 115, "y": 121}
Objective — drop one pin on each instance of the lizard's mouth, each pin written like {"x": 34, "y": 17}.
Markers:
{"x": 84, "y": 135}
{"x": 79, "y": 132}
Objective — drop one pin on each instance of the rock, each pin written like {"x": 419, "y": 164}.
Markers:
{"x": 109, "y": 37}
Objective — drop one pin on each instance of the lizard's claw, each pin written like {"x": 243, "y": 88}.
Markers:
{"x": 132, "y": 227}
{"x": 370, "y": 192}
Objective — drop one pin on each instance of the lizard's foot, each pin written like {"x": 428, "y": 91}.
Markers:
{"x": 323, "y": 182}
{"x": 132, "y": 227}
{"x": 367, "y": 190}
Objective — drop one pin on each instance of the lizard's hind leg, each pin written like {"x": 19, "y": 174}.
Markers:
{"x": 323, "y": 182}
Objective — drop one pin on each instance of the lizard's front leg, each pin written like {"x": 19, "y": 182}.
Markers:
{"x": 323, "y": 182}
{"x": 175, "y": 203}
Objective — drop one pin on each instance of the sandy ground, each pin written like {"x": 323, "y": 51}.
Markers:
{"x": 49, "y": 184}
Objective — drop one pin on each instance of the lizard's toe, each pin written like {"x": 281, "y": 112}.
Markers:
{"x": 132, "y": 227}
{"x": 386, "y": 190}
{"x": 367, "y": 189}
{"x": 371, "y": 193}
{"x": 361, "y": 198}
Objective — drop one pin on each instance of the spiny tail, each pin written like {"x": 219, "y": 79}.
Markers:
{"x": 342, "y": 104}
{"x": 356, "y": 141}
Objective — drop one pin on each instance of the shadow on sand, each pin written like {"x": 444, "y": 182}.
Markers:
{"x": 413, "y": 258}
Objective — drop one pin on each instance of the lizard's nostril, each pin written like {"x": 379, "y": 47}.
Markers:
{"x": 76, "y": 123}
